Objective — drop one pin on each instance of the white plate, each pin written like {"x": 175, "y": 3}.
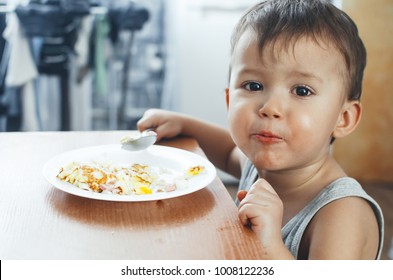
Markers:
{"x": 175, "y": 159}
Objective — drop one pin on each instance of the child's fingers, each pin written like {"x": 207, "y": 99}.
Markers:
{"x": 262, "y": 184}
{"x": 244, "y": 215}
{"x": 144, "y": 123}
{"x": 241, "y": 195}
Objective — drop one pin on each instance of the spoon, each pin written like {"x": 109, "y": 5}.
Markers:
{"x": 143, "y": 141}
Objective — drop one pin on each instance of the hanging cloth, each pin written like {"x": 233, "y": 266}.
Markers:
{"x": 102, "y": 29}
{"x": 22, "y": 71}
{"x": 21, "y": 67}
{"x": 76, "y": 7}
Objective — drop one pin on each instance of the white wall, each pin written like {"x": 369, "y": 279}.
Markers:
{"x": 199, "y": 42}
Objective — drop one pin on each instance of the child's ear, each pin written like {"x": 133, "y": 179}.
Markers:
{"x": 227, "y": 96}
{"x": 349, "y": 119}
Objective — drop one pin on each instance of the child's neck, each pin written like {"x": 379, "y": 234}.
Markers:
{"x": 297, "y": 188}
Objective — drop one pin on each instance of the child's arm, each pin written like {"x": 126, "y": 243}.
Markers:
{"x": 344, "y": 229}
{"x": 214, "y": 140}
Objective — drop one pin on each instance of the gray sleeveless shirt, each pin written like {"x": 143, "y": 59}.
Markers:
{"x": 293, "y": 231}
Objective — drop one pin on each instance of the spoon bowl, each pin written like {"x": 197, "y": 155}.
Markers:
{"x": 143, "y": 141}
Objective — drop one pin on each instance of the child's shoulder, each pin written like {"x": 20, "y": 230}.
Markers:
{"x": 345, "y": 197}
{"x": 348, "y": 219}
{"x": 342, "y": 217}
{"x": 344, "y": 187}
{"x": 345, "y": 201}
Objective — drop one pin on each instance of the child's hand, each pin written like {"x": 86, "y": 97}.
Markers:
{"x": 262, "y": 209}
{"x": 166, "y": 124}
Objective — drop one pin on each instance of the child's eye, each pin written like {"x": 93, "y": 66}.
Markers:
{"x": 302, "y": 91}
{"x": 253, "y": 86}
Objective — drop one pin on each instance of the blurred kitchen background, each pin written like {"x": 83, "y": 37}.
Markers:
{"x": 99, "y": 64}
{"x": 103, "y": 63}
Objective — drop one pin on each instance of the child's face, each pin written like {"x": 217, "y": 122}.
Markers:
{"x": 284, "y": 106}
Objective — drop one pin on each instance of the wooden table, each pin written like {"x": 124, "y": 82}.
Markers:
{"x": 38, "y": 221}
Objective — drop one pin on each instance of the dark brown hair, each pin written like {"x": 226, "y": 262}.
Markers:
{"x": 317, "y": 19}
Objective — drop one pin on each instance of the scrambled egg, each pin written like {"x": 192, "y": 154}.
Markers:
{"x": 127, "y": 180}
{"x": 192, "y": 171}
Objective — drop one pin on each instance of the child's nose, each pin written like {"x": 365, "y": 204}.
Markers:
{"x": 271, "y": 107}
